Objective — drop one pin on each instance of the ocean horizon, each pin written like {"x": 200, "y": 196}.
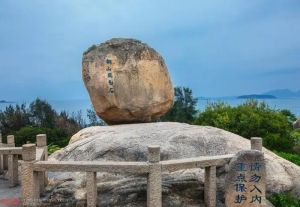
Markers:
{"x": 292, "y": 104}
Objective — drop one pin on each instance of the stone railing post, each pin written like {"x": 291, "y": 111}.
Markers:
{"x": 1, "y": 156}
{"x": 91, "y": 189}
{"x": 12, "y": 163}
{"x": 10, "y": 143}
{"x": 210, "y": 186}
{"x": 154, "y": 185}
{"x": 13, "y": 170}
{"x": 41, "y": 142}
{"x": 29, "y": 178}
{"x": 256, "y": 143}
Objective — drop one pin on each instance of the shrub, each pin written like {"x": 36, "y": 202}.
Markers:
{"x": 52, "y": 148}
{"x": 284, "y": 200}
{"x": 296, "y": 136}
{"x": 28, "y": 134}
{"x": 252, "y": 119}
{"x": 294, "y": 158}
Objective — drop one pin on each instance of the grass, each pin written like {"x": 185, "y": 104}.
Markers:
{"x": 284, "y": 200}
{"x": 52, "y": 148}
{"x": 294, "y": 158}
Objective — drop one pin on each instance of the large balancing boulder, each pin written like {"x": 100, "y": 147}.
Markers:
{"x": 128, "y": 81}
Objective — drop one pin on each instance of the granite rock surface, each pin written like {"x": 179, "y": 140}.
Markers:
{"x": 128, "y": 81}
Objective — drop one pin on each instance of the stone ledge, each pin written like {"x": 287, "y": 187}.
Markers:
{"x": 92, "y": 166}
{"x": 198, "y": 162}
{"x": 11, "y": 150}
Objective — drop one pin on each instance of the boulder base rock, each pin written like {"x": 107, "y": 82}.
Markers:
{"x": 128, "y": 81}
{"x": 180, "y": 189}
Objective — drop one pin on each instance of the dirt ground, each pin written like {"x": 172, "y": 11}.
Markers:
{"x": 9, "y": 196}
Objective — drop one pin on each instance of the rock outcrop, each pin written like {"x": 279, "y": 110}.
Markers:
{"x": 128, "y": 81}
{"x": 180, "y": 188}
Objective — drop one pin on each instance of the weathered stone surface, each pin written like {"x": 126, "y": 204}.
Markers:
{"x": 245, "y": 183}
{"x": 297, "y": 124}
{"x": 30, "y": 185}
{"x": 154, "y": 180}
{"x": 91, "y": 183}
{"x": 128, "y": 81}
{"x": 210, "y": 186}
{"x": 13, "y": 170}
{"x": 11, "y": 140}
{"x": 180, "y": 188}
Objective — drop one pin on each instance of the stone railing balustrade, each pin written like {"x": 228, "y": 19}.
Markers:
{"x": 9, "y": 156}
{"x": 35, "y": 167}
{"x": 153, "y": 168}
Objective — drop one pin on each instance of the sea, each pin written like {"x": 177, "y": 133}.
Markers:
{"x": 74, "y": 106}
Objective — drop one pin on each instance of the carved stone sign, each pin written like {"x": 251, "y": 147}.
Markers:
{"x": 108, "y": 68}
{"x": 245, "y": 183}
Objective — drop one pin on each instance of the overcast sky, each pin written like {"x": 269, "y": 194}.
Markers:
{"x": 217, "y": 48}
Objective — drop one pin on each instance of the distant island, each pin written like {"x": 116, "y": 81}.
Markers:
{"x": 283, "y": 93}
{"x": 257, "y": 96}
{"x": 278, "y": 93}
{"x": 3, "y": 101}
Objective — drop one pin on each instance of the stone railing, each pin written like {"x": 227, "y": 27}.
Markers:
{"x": 9, "y": 156}
{"x": 33, "y": 173}
{"x": 9, "y": 159}
{"x": 34, "y": 169}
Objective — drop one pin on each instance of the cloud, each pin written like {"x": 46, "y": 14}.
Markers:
{"x": 231, "y": 42}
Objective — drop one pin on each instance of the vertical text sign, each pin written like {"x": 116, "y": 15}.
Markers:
{"x": 108, "y": 68}
{"x": 246, "y": 180}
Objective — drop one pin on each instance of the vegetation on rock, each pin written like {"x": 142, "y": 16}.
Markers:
{"x": 292, "y": 157}
{"x": 284, "y": 200}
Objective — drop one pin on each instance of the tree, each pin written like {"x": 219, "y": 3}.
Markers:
{"x": 42, "y": 114}
{"x": 78, "y": 118}
{"x": 13, "y": 118}
{"x": 184, "y": 108}
{"x": 68, "y": 124}
{"x": 94, "y": 120}
{"x": 39, "y": 117}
